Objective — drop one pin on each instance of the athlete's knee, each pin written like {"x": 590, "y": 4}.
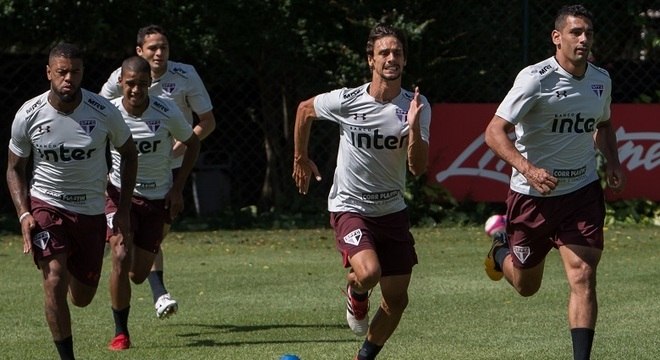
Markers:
{"x": 81, "y": 299}
{"x": 394, "y": 303}
{"x": 138, "y": 277}
{"x": 527, "y": 289}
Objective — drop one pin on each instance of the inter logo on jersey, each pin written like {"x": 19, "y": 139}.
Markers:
{"x": 598, "y": 89}
{"x": 169, "y": 87}
{"x": 153, "y": 125}
{"x": 87, "y": 125}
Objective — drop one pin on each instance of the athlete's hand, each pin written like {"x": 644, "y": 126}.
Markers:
{"x": 415, "y": 106}
{"x": 616, "y": 178}
{"x": 303, "y": 168}
{"x": 541, "y": 180}
{"x": 174, "y": 203}
{"x": 27, "y": 225}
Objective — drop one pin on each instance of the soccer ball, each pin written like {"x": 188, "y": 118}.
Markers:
{"x": 495, "y": 222}
{"x": 289, "y": 357}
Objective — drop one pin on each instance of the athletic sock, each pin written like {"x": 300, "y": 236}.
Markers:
{"x": 121, "y": 321}
{"x": 583, "y": 338}
{"x": 359, "y": 296}
{"x": 501, "y": 252}
{"x": 65, "y": 348}
{"x": 157, "y": 284}
{"x": 368, "y": 351}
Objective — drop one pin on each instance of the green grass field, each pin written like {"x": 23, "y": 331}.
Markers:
{"x": 261, "y": 294}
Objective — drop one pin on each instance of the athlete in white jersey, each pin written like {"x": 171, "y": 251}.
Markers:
{"x": 154, "y": 123}
{"x": 384, "y": 131}
{"x": 181, "y": 84}
{"x": 560, "y": 112}
{"x": 66, "y": 130}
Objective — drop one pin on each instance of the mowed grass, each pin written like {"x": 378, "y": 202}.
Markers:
{"x": 261, "y": 294}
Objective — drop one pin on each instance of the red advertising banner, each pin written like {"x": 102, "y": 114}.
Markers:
{"x": 460, "y": 160}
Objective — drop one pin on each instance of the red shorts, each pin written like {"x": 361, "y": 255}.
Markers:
{"x": 537, "y": 224}
{"x": 388, "y": 235}
{"x": 81, "y": 237}
{"x": 147, "y": 219}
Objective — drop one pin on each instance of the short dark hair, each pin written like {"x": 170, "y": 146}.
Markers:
{"x": 65, "y": 50}
{"x": 149, "y": 30}
{"x": 382, "y": 30}
{"x": 137, "y": 64}
{"x": 572, "y": 10}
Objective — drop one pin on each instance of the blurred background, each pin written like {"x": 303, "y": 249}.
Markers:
{"x": 259, "y": 59}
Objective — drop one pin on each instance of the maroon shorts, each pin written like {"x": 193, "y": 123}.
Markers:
{"x": 81, "y": 237}
{"x": 388, "y": 235}
{"x": 147, "y": 219}
{"x": 537, "y": 224}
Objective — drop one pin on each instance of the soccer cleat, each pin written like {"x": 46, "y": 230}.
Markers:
{"x": 119, "y": 343}
{"x": 357, "y": 313}
{"x": 495, "y": 223}
{"x": 166, "y": 306}
{"x": 493, "y": 271}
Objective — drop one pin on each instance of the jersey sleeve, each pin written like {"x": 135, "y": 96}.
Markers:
{"x": 198, "y": 97}
{"x": 179, "y": 127}
{"x": 521, "y": 97}
{"x": 111, "y": 88}
{"x": 19, "y": 143}
{"x": 328, "y": 106}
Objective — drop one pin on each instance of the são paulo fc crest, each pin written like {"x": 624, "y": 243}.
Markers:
{"x": 40, "y": 240}
{"x": 87, "y": 125}
{"x": 401, "y": 115}
{"x": 353, "y": 237}
{"x": 522, "y": 253}
{"x": 598, "y": 89}
{"x": 169, "y": 87}
{"x": 153, "y": 125}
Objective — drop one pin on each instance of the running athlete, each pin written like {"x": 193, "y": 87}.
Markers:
{"x": 180, "y": 83}
{"x": 558, "y": 108}
{"x": 382, "y": 128}
{"x": 155, "y": 123}
{"x": 66, "y": 130}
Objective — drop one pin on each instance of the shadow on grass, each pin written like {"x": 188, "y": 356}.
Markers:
{"x": 253, "y": 328}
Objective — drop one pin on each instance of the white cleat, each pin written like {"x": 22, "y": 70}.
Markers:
{"x": 166, "y": 306}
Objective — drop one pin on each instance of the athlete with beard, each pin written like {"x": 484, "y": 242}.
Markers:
{"x": 560, "y": 111}
{"x": 66, "y": 130}
{"x": 384, "y": 131}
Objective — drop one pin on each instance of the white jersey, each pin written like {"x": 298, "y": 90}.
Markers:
{"x": 373, "y": 148}
{"x": 555, "y": 116}
{"x": 180, "y": 83}
{"x": 153, "y": 134}
{"x": 69, "y": 162}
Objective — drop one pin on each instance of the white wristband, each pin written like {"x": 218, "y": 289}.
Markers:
{"x": 23, "y": 216}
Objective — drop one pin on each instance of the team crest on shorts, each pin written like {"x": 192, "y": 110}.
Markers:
{"x": 40, "y": 240}
{"x": 522, "y": 253}
{"x": 353, "y": 237}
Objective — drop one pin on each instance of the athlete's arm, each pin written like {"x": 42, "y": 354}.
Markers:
{"x": 606, "y": 143}
{"x": 204, "y": 128}
{"x": 18, "y": 189}
{"x": 497, "y": 139}
{"x": 128, "y": 171}
{"x": 303, "y": 167}
{"x": 174, "y": 197}
{"x": 418, "y": 149}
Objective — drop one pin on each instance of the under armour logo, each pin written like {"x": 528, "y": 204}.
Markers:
{"x": 42, "y": 130}
{"x": 561, "y": 94}
{"x": 359, "y": 117}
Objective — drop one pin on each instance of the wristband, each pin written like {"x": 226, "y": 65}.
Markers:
{"x": 23, "y": 216}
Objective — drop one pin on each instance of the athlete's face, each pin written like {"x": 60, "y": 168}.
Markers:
{"x": 574, "y": 39}
{"x": 135, "y": 88}
{"x": 387, "y": 61}
{"x": 65, "y": 76}
{"x": 156, "y": 50}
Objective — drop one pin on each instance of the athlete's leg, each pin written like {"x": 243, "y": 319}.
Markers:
{"x": 580, "y": 263}
{"x": 394, "y": 290}
{"x": 365, "y": 271}
{"x": 56, "y": 285}
{"x": 525, "y": 281}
